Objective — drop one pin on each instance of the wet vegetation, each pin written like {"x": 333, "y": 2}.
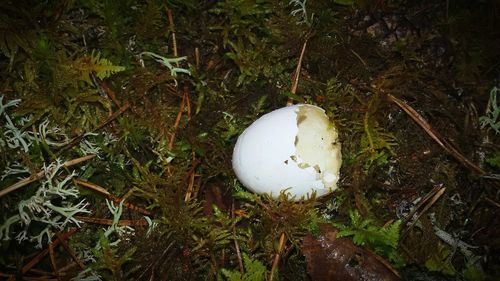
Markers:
{"x": 118, "y": 120}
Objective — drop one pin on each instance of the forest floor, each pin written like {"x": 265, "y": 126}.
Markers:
{"x": 118, "y": 119}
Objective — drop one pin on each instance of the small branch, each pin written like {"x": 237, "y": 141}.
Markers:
{"x": 40, "y": 174}
{"x": 434, "y": 135}
{"x": 197, "y": 57}
{"x": 492, "y": 202}
{"x": 296, "y": 75}
{"x": 8, "y": 276}
{"x": 178, "y": 120}
{"x": 153, "y": 265}
{"x": 422, "y": 203}
{"x": 67, "y": 268}
{"x": 189, "y": 178}
{"x": 108, "y": 120}
{"x": 236, "y": 245}
{"x": 92, "y": 186}
{"x": 188, "y": 104}
{"x": 359, "y": 58}
{"x": 113, "y": 117}
{"x": 172, "y": 28}
{"x": 436, "y": 196}
{"x": 277, "y": 256}
{"x": 52, "y": 256}
{"x": 69, "y": 250}
{"x": 43, "y": 253}
{"x": 110, "y": 93}
{"x": 103, "y": 191}
{"x": 420, "y": 120}
{"x": 141, "y": 222}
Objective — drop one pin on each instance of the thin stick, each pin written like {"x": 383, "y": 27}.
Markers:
{"x": 110, "y": 93}
{"x": 197, "y": 57}
{"x": 53, "y": 263}
{"x": 103, "y": 191}
{"x": 141, "y": 222}
{"x": 172, "y": 27}
{"x": 236, "y": 245}
{"x": 409, "y": 221}
{"x": 5, "y": 274}
{"x": 67, "y": 267}
{"x": 492, "y": 202}
{"x": 424, "y": 210}
{"x": 92, "y": 186}
{"x": 277, "y": 256}
{"x": 189, "y": 193}
{"x": 297, "y": 73}
{"x": 434, "y": 135}
{"x": 43, "y": 253}
{"x": 69, "y": 250}
{"x": 177, "y": 122}
{"x": 422, "y": 203}
{"x": 40, "y": 174}
{"x": 113, "y": 117}
{"x": 108, "y": 120}
{"x": 188, "y": 103}
{"x": 153, "y": 265}
{"x": 190, "y": 178}
{"x": 34, "y": 271}
{"x": 359, "y": 58}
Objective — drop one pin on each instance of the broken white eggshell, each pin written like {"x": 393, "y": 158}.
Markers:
{"x": 293, "y": 148}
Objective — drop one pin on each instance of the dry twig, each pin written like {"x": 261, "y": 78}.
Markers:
{"x": 43, "y": 253}
{"x": 141, "y": 222}
{"x": 103, "y": 191}
{"x": 70, "y": 251}
{"x": 40, "y": 174}
{"x": 236, "y": 245}
{"x": 108, "y": 120}
{"x": 178, "y": 119}
{"x": 492, "y": 202}
{"x": 277, "y": 256}
{"x": 52, "y": 256}
{"x": 435, "y": 194}
{"x": 109, "y": 92}
{"x": 172, "y": 28}
{"x": 435, "y": 135}
{"x": 189, "y": 178}
{"x": 296, "y": 75}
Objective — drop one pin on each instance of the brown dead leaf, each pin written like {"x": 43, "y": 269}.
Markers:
{"x": 329, "y": 258}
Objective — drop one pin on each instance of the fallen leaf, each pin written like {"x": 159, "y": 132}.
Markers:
{"x": 329, "y": 258}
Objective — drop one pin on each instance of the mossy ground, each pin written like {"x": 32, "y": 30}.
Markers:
{"x": 172, "y": 134}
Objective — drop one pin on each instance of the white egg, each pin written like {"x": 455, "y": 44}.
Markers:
{"x": 293, "y": 148}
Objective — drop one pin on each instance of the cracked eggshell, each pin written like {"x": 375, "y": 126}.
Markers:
{"x": 293, "y": 148}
